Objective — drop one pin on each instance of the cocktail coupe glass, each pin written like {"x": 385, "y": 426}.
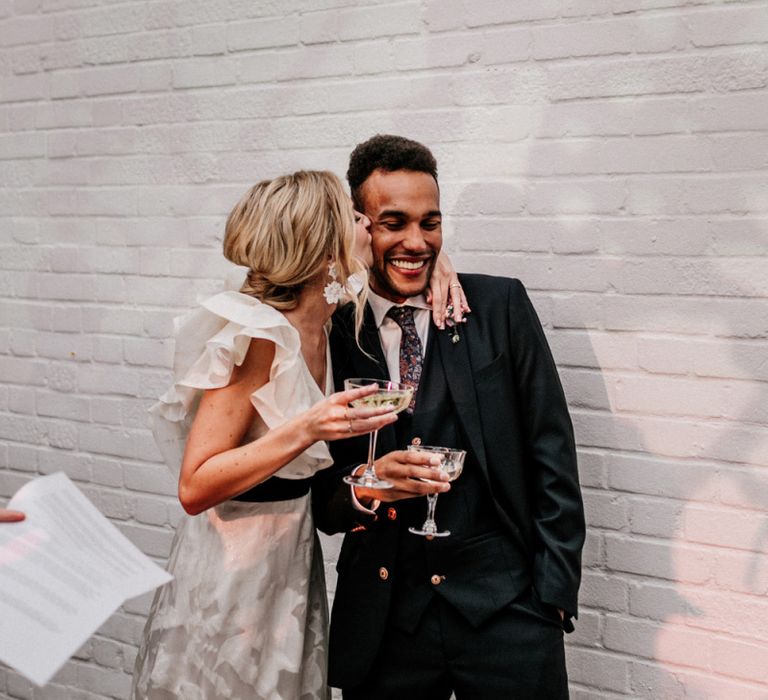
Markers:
{"x": 452, "y": 464}
{"x": 394, "y": 396}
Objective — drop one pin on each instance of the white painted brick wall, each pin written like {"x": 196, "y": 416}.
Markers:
{"x": 610, "y": 153}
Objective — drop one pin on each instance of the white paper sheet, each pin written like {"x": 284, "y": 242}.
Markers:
{"x": 63, "y": 571}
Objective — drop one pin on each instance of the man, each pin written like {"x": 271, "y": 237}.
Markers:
{"x": 480, "y": 613}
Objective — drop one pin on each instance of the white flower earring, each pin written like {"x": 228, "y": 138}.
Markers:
{"x": 333, "y": 290}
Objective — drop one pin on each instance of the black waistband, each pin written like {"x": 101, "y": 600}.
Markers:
{"x": 276, "y": 489}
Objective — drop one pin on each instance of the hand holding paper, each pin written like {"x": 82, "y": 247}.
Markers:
{"x": 63, "y": 571}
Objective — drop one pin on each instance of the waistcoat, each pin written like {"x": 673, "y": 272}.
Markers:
{"x": 476, "y": 568}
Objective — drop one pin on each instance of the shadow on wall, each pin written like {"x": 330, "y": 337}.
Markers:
{"x": 670, "y": 476}
{"x": 670, "y": 422}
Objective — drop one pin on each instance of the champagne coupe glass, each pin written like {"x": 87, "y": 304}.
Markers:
{"x": 452, "y": 464}
{"x": 394, "y": 396}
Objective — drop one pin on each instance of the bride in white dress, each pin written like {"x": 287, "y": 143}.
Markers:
{"x": 247, "y": 420}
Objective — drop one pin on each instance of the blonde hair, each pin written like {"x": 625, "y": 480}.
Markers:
{"x": 286, "y": 230}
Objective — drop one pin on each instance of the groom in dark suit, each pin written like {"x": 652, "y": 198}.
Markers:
{"x": 482, "y": 612}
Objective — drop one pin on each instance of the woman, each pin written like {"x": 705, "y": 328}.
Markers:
{"x": 245, "y": 616}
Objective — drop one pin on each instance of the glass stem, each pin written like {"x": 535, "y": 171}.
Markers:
{"x": 431, "y": 505}
{"x": 370, "y": 470}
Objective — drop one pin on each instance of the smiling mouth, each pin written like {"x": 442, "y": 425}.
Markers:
{"x": 408, "y": 264}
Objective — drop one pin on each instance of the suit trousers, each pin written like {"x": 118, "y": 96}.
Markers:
{"x": 516, "y": 655}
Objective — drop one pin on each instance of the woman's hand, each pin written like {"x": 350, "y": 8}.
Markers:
{"x": 333, "y": 419}
{"x": 445, "y": 293}
{"x": 10, "y": 516}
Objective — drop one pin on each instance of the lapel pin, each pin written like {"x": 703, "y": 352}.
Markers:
{"x": 450, "y": 323}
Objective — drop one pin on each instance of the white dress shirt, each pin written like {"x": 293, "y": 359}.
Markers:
{"x": 390, "y": 333}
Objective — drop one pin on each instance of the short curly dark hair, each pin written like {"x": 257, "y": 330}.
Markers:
{"x": 387, "y": 152}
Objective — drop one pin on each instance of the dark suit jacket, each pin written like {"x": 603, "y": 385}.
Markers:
{"x": 507, "y": 396}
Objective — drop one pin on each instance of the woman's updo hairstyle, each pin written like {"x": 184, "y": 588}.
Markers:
{"x": 285, "y": 231}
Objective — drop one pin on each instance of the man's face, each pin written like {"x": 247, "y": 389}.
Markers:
{"x": 406, "y": 231}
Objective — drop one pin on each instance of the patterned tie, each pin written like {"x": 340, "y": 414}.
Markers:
{"x": 410, "y": 349}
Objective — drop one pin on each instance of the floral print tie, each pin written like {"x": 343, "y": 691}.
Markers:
{"x": 410, "y": 349}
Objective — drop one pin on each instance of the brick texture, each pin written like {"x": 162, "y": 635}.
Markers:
{"x": 610, "y": 153}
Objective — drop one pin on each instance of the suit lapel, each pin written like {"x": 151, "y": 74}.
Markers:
{"x": 458, "y": 376}
{"x": 375, "y": 366}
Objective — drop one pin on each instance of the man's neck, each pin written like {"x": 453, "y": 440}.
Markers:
{"x": 380, "y": 304}
{"x": 385, "y": 300}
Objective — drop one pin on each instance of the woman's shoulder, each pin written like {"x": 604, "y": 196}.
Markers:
{"x": 232, "y": 338}
{"x": 255, "y": 369}
{"x": 233, "y": 319}
{"x": 244, "y": 310}
{"x": 212, "y": 340}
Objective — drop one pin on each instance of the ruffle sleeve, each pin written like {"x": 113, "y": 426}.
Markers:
{"x": 210, "y": 341}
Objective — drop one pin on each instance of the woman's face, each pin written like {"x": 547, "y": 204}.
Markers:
{"x": 362, "y": 248}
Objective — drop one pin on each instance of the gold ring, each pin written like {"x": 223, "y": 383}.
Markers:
{"x": 451, "y": 286}
{"x": 351, "y": 429}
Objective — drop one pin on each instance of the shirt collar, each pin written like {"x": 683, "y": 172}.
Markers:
{"x": 380, "y": 306}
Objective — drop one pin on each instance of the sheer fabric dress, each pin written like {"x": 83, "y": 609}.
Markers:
{"x": 246, "y": 614}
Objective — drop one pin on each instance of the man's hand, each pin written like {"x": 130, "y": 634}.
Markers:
{"x": 406, "y": 470}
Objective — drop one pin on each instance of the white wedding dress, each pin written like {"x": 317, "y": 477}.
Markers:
{"x": 246, "y": 614}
